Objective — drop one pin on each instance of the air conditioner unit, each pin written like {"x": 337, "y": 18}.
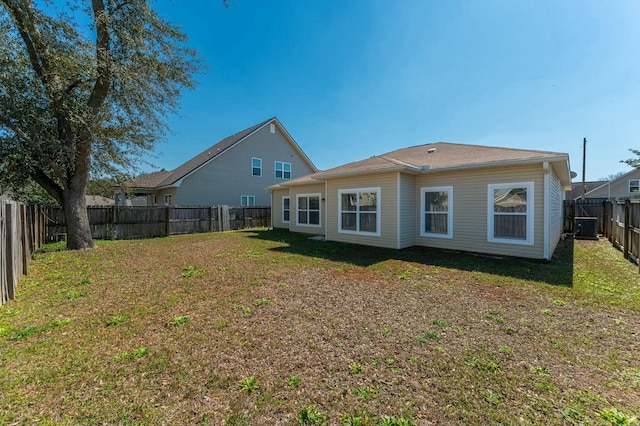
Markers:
{"x": 586, "y": 228}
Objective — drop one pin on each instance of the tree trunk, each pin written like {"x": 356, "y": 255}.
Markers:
{"x": 75, "y": 212}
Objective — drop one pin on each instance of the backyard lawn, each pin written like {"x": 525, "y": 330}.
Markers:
{"x": 263, "y": 327}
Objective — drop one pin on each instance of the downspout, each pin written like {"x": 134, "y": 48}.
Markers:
{"x": 271, "y": 214}
{"x": 398, "y": 217}
{"x": 326, "y": 210}
{"x": 547, "y": 211}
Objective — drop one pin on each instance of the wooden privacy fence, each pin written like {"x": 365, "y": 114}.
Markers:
{"x": 117, "y": 222}
{"x": 21, "y": 234}
{"x": 623, "y": 227}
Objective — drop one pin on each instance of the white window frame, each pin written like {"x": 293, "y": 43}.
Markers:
{"x": 357, "y": 191}
{"x": 449, "y": 212}
{"x": 247, "y": 201}
{"x": 281, "y": 169}
{"x": 297, "y": 210}
{"x": 284, "y": 209}
{"x": 258, "y": 167}
{"x": 529, "y": 240}
{"x": 635, "y": 185}
{"x": 168, "y": 199}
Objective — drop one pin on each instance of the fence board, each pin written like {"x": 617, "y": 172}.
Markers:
{"x": 18, "y": 241}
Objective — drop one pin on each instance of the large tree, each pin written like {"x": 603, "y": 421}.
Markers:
{"x": 84, "y": 91}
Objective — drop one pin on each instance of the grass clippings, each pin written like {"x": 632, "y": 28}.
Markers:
{"x": 268, "y": 328}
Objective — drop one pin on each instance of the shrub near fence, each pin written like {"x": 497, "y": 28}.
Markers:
{"x": 117, "y": 222}
{"x": 21, "y": 233}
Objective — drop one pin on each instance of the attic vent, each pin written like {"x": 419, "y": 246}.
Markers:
{"x": 272, "y": 128}
{"x": 431, "y": 150}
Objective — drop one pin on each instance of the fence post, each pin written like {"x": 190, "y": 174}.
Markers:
{"x": 10, "y": 272}
{"x": 167, "y": 221}
{"x": 210, "y": 218}
{"x": 627, "y": 228}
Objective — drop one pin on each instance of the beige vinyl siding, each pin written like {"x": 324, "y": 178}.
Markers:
{"x": 306, "y": 189}
{"x": 225, "y": 178}
{"x": 388, "y": 201}
{"x": 276, "y": 208}
{"x": 470, "y": 203}
{"x": 409, "y": 221}
{"x": 618, "y": 188}
{"x": 556, "y": 210}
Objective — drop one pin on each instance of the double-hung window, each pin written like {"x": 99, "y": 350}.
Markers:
{"x": 168, "y": 200}
{"x": 359, "y": 211}
{"x": 286, "y": 209}
{"x": 436, "y": 218}
{"x": 283, "y": 170}
{"x": 634, "y": 185}
{"x": 247, "y": 200}
{"x": 256, "y": 166}
{"x": 308, "y": 210}
{"x": 510, "y": 213}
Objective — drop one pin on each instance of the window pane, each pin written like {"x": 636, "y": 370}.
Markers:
{"x": 510, "y": 226}
{"x": 285, "y": 215}
{"x": 368, "y": 222}
{"x": 287, "y": 167}
{"x": 252, "y": 201}
{"x": 634, "y": 185}
{"x": 287, "y": 175}
{"x": 278, "y": 165}
{"x": 510, "y": 200}
{"x": 436, "y": 201}
{"x": 285, "y": 203}
{"x": 302, "y": 217}
{"x": 256, "y": 171}
{"x": 348, "y": 221}
{"x": 436, "y": 223}
{"x": 368, "y": 201}
{"x": 314, "y": 218}
{"x": 349, "y": 202}
{"x": 314, "y": 203}
{"x": 302, "y": 203}
{"x": 256, "y": 162}
{"x": 279, "y": 174}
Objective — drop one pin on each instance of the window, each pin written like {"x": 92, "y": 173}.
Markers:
{"x": 437, "y": 212}
{"x": 634, "y": 185}
{"x": 256, "y": 166}
{"x": 168, "y": 200}
{"x": 286, "y": 209}
{"x": 283, "y": 170}
{"x": 359, "y": 211}
{"x": 510, "y": 215}
{"x": 308, "y": 209}
{"x": 247, "y": 200}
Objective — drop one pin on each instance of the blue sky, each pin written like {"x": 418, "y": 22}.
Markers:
{"x": 354, "y": 78}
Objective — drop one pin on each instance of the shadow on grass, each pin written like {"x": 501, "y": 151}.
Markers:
{"x": 558, "y": 272}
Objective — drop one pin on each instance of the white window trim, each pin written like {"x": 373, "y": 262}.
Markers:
{"x": 637, "y": 185}
{"x": 259, "y": 159}
{"x": 378, "y": 203}
{"x": 168, "y": 199}
{"x": 311, "y": 225}
{"x": 275, "y": 170}
{"x": 529, "y": 214}
{"x": 248, "y": 197}
{"x": 449, "y": 191}
{"x": 283, "y": 209}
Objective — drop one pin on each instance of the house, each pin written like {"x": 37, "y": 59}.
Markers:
{"x": 235, "y": 171}
{"x": 623, "y": 187}
{"x": 576, "y": 188}
{"x": 473, "y": 198}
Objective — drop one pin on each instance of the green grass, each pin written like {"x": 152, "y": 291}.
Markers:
{"x": 268, "y": 327}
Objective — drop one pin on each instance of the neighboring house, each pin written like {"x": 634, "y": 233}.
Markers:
{"x": 235, "y": 171}
{"x": 462, "y": 197}
{"x": 623, "y": 187}
{"x": 576, "y": 188}
{"x": 98, "y": 201}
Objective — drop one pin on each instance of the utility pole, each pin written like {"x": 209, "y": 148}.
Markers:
{"x": 584, "y": 164}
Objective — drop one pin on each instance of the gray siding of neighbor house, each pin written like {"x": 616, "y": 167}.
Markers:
{"x": 409, "y": 222}
{"x": 229, "y": 176}
{"x": 618, "y": 188}
{"x": 470, "y": 204}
